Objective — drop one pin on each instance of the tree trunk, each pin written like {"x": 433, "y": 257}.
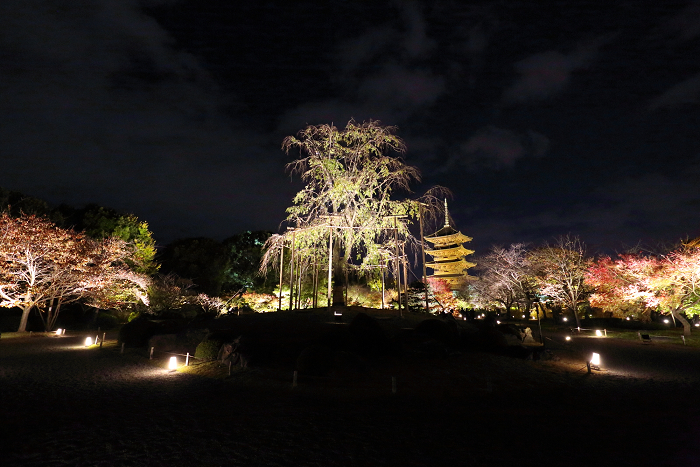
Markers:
{"x": 338, "y": 276}
{"x": 574, "y": 311}
{"x": 25, "y": 318}
{"x": 686, "y": 325}
{"x": 53, "y": 316}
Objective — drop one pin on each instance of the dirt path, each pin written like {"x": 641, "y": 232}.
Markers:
{"x": 64, "y": 405}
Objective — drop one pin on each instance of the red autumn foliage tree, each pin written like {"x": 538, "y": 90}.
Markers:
{"x": 441, "y": 291}
{"x": 669, "y": 283}
{"x": 616, "y": 284}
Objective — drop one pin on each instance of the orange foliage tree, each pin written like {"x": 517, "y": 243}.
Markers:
{"x": 43, "y": 266}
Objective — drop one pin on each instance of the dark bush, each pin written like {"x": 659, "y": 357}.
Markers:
{"x": 444, "y": 332}
{"x": 492, "y": 339}
{"x": 137, "y": 332}
{"x": 413, "y": 344}
{"x": 369, "y": 338}
{"x": 106, "y": 320}
{"x": 316, "y": 360}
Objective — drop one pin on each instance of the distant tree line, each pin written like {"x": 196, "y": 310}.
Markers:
{"x": 102, "y": 258}
{"x": 563, "y": 278}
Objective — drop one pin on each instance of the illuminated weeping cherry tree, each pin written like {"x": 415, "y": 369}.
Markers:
{"x": 346, "y": 216}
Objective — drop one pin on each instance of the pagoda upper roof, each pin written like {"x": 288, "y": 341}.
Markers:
{"x": 447, "y": 236}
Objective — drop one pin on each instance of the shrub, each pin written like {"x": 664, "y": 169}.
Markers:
{"x": 137, "y": 332}
{"x": 208, "y": 349}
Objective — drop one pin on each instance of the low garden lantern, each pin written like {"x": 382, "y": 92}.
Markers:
{"x": 88, "y": 341}
{"x": 172, "y": 364}
{"x": 595, "y": 361}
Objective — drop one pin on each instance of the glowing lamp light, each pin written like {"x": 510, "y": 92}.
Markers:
{"x": 595, "y": 360}
{"x": 566, "y": 319}
{"x": 88, "y": 341}
{"x": 598, "y": 333}
{"x": 172, "y": 365}
{"x": 666, "y": 321}
{"x": 568, "y": 338}
{"x": 523, "y": 316}
{"x": 59, "y": 331}
{"x": 628, "y": 318}
{"x": 697, "y": 325}
{"x": 498, "y": 322}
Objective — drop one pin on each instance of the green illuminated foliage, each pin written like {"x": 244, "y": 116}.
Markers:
{"x": 352, "y": 177}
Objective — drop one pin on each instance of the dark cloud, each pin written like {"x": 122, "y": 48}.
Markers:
{"x": 175, "y": 110}
{"x": 546, "y": 74}
{"x": 383, "y": 73}
{"x": 99, "y": 106}
{"x": 683, "y": 93}
{"x": 685, "y": 23}
{"x": 495, "y": 148}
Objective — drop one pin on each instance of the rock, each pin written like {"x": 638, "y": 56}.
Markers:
{"x": 234, "y": 353}
{"x": 511, "y": 330}
{"x": 527, "y": 336}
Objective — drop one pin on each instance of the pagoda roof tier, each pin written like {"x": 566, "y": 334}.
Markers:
{"x": 453, "y": 267}
{"x": 456, "y": 251}
{"x": 455, "y": 238}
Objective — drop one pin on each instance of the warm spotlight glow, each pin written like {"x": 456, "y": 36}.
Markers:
{"x": 566, "y": 319}
{"x": 523, "y": 316}
{"x": 599, "y": 333}
{"x": 628, "y": 318}
{"x": 595, "y": 359}
{"x": 568, "y": 338}
{"x": 59, "y": 331}
{"x": 172, "y": 365}
{"x": 666, "y": 321}
{"x": 498, "y": 322}
{"x": 697, "y": 325}
{"x": 88, "y": 341}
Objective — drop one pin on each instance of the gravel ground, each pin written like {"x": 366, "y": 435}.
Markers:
{"x": 67, "y": 405}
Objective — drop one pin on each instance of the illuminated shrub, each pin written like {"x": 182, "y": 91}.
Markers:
{"x": 208, "y": 349}
{"x": 359, "y": 295}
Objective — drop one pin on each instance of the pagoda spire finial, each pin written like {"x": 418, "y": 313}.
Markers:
{"x": 447, "y": 215}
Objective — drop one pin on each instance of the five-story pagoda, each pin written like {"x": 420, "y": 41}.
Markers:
{"x": 448, "y": 254}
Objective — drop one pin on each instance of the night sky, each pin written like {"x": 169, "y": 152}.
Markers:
{"x": 543, "y": 118}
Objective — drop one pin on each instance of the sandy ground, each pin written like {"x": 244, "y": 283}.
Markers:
{"x": 67, "y": 405}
